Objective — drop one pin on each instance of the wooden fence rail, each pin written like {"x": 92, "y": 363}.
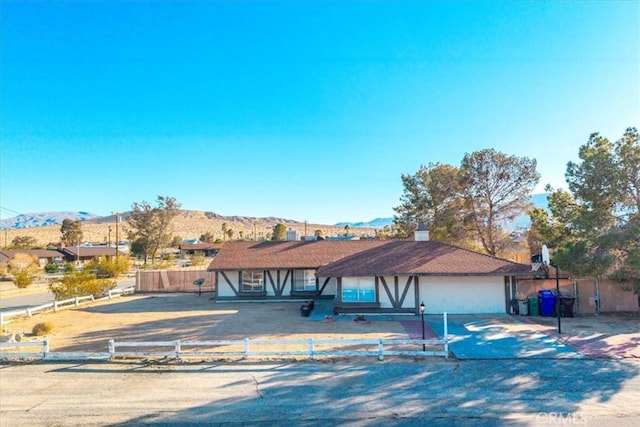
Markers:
{"x": 245, "y": 349}
{"x": 310, "y": 347}
{"x": 57, "y": 305}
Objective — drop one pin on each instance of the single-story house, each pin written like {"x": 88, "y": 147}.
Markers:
{"x": 44, "y": 256}
{"x": 88, "y": 253}
{"x": 205, "y": 249}
{"x": 368, "y": 276}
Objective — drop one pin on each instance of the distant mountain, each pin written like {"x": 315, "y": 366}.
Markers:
{"x": 30, "y": 220}
{"x": 375, "y": 223}
{"x": 539, "y": 200}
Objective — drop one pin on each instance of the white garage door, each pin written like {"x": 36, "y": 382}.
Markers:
{"x": 462, "y": 295}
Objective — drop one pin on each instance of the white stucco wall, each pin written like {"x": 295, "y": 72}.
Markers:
{"x": 409, "y": 299}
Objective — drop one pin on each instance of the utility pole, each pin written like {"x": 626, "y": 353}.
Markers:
{"x": 117, "y": 221}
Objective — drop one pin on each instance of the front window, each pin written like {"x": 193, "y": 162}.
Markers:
{"x": 358, "y": 289}
{"x": 252, "y": 281}
{"x": 304, "y": 280}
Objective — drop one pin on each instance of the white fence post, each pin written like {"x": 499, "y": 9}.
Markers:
{"x": 29, "y": 312}
{"x": 77, "y": 301}
{"x": 109, "y": 293}
{"x": 446, "y": 336}
{"x": 176, "y": 345}
{"x": 311, "y": 348}
{"x": 246, "y": 348}
{"x": 55, "y": 306}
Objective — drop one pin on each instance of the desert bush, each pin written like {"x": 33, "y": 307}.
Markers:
{"x": 42, "y": 328}
{"x": 51, "y": 268}
{"x": 69, "y": 267}
{"x": 80, "y": 283}
{"x": 111, "y": 268}
{"x": 198, "y": 259}
{"x": 22, "y": 266}
{"x": 22, "y": 279}
{"x": 161, "y": 265}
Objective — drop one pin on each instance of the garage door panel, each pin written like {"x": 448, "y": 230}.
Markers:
{"x": 463, "y": 295}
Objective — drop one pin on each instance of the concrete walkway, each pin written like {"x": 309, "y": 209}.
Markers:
{"x": 499, "y": 337}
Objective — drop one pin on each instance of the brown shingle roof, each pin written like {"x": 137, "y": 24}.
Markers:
{"x": 199, "y": 246}
{"x": 274, "y": 255}
{"x": 363, "y": 258}
{"x": 40, "y": 253}
{"x": 91, "y": 251}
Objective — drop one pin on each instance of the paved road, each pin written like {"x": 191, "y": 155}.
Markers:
{"x": 31, "y": 297}
{"x": 23, "y": 301}
{"x": 396, "y": 393}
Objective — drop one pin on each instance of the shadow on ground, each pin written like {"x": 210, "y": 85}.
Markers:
{"x": 401, "y": 393}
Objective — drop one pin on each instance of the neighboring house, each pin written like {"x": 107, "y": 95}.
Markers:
{"x": 44, "y": 256}
{"x": 368, "y": 276}
{"x": 191, "y": 241}
{"x": 88, "y": 253}
{"x": 205, "y": 249}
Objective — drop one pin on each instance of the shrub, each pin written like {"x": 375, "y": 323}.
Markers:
{"x": 42, "y": 328}
{"x": 198, "y": 259}
{"x": 22, "y": 279}
{"x": 81, "y": 283}
{"x": 51, "y": 268}
{"x": 108, "y": 267}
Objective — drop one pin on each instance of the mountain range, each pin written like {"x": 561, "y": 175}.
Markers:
{"x": 539, "y": 200}
{"x": 43, "y": 219}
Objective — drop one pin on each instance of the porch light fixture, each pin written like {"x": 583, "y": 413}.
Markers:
{"x": 422, "y": 309}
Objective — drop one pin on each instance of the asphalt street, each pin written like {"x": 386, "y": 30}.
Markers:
{"x": 396, "y": 392}
{"x": 19, "y": 302}
{"x": 37, "y": 295}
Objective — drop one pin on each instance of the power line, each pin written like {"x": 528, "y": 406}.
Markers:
{"x": 10, "y": 210}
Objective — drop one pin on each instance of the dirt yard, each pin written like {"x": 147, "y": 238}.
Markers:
{"x": 605, "y": 335}
{"x": 188, "y": 317}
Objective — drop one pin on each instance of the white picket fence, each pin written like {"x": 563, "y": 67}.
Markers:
{"x": 57, "y": 305}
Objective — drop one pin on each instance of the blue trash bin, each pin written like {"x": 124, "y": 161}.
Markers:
{"x": 547, "y": 302}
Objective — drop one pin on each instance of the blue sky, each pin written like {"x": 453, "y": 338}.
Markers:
{"x": 301, "y": 110}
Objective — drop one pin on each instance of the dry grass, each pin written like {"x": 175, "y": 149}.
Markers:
{"x": 189, "y": 224}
